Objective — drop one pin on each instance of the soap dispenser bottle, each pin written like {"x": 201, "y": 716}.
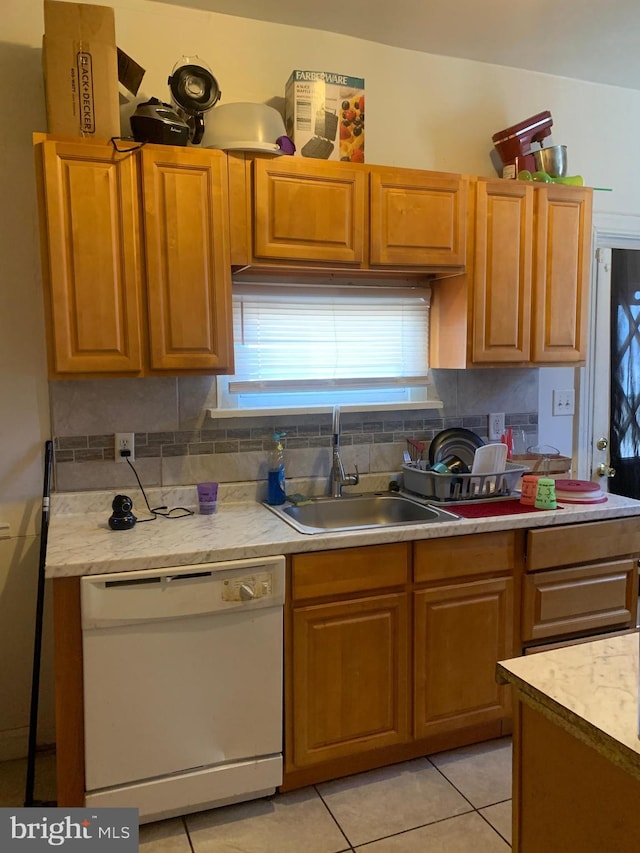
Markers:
{"x": 276, "y": 491}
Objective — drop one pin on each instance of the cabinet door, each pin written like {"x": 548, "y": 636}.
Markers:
{"x": 92, "y": 259}
{"x": 502, "y": 272}
{"x": 350, "y": 671}
{"x": 561, "y": 277}
{"x": 417, "y": 218}
{"x": 188, "y": 264}
{"x": 461, "y": 631}
{"x": 306, "y": 211}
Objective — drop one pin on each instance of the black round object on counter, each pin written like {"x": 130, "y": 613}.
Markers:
{"x": 122, "y": 518}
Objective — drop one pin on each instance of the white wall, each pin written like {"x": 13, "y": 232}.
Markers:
{"x": 423, "y": 111}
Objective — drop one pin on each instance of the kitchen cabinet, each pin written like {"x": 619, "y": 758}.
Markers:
{"x": 576, "y": 756}
{"x": 92, "y": 259}
{"x": 367, "y": 683}
{"x": 524, "y": 297}
{"x": 417, "y": 218}
{"x": 135, "y": 260}
{"x": 580, "y": 580}
{"x": 187, "y": 255}
{"x": 464, "y": 623}
{"x": 350, "y": 674}
{"x": 308, "y": 211}
{"x": 298, "y": 212}
{"x": 347, "y": 665}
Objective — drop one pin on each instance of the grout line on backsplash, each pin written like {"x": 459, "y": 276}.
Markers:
{"x": 238, "y": 440}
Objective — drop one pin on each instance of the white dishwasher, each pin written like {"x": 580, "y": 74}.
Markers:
{"x": 183, "y": 685}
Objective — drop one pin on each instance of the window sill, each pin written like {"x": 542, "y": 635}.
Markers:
{"x": 322, "y": 410}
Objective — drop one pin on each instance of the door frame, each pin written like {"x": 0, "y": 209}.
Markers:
{"x": 610, "y": 231}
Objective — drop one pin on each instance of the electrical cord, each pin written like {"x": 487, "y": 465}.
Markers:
{"x": 159, "y": 510}
{"x": 134, "y": 147}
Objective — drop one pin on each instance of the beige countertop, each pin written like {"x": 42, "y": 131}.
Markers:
{"x": 590, "y": 689}
{"x": 80, "y": 541}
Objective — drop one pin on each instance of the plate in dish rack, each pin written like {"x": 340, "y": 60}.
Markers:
{"x": 462, "y": 443}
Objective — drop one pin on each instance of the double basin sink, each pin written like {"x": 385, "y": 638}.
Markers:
{"x": 355, "y": 512}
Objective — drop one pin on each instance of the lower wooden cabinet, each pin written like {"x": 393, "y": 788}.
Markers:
{"x": 461, "y": 631}
{"x": 350, "y": 677}
{"x": 391, "y": 651}
{"x": 581, "y": 579}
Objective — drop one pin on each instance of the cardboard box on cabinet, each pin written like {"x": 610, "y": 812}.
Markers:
{"x": 80, "y": 69}
{"x": 324, "y": 115}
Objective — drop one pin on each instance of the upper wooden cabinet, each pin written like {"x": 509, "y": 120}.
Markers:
{"x": 187, "y": 254}
{"x": 310, "y": 213}
{"x": 562, "y": 264}
{"x": 502, "y": 271}
{"x": 92, "y": 259}
{"x": 524, "y": 297}
{"x": 417, "y": 218}
{"x": 112, "y": 308}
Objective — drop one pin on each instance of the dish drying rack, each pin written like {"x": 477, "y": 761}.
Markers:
{"x": 449, "y": 488}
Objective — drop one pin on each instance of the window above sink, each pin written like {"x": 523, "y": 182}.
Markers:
{"x": 299, "y": 346}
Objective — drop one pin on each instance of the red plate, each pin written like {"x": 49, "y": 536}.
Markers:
{"x": 576, "y": 486}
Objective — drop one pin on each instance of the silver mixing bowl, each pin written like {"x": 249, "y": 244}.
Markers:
{"x": 552, "y": 160}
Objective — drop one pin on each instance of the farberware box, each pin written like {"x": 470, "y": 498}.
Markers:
{"x": 324, "y": 115}
{"x": 80, "y": 69}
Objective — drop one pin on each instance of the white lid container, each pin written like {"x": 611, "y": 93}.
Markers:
{"x": 244, "y": 127}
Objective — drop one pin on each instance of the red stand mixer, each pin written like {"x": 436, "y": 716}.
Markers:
{"x": 514, "y": 143}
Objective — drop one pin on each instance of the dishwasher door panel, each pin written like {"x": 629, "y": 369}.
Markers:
{"x": 166, "y": 696}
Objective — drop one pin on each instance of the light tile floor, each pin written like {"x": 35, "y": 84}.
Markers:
{"x": 452, "y": 802}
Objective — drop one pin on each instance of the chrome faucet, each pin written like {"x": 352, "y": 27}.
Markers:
{"x": 338, "y": 477}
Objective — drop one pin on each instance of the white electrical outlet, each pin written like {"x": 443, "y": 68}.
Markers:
{"x": 564, "y": 402}
{"x": 124, "y": 441}
{"x": 496, "y": 426}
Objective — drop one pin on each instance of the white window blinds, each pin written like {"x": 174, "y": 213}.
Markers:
{"x": 303, "y": 340}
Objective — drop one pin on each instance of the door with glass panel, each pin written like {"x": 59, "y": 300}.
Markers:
{"x": 615, "y": 386}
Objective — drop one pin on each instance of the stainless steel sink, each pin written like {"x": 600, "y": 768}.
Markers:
{"x": 355, "y": 512}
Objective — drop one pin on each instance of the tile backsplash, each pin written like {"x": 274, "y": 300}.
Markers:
{"x": 176, "y": 443}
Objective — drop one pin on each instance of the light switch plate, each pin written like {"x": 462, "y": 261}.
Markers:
{"x": 564, "y": 402}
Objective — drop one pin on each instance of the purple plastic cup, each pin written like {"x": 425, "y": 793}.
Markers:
{"x": 207, "y": 498}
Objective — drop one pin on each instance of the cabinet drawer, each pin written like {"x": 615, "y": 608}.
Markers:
{"x": 582, "y": 543}
{"x": 466, "y": 556}
{"x": 584, "y": 598}
{"x": 349, "y": 570}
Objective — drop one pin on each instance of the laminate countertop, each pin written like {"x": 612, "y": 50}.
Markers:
{"x": 590, "y": 689}
{"x": 80, "y": 541}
